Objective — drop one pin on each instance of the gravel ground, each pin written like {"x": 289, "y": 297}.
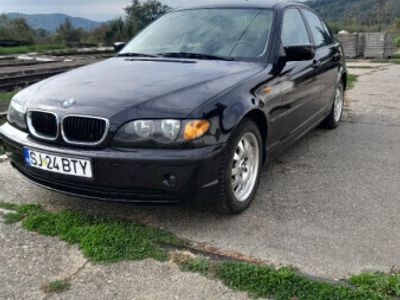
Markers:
{"x": 328, "y": 206}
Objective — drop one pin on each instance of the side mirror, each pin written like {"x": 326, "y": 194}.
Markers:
{"x": 300, "y": 53}
{"x": 118, "y": 46}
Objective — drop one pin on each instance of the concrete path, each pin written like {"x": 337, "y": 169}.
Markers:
{"x": 28, "y": 261}
{"x": 329, "y": 206}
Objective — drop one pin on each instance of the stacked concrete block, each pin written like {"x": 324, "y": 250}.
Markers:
{"x": 368, "y": 45}
{"x": 350, "y": 44}
{"x": 390, "y": 48}
{"x": 361, "y": 45}
{"x": 378, "y": 45}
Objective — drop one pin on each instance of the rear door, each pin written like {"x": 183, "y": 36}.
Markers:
{"x": 301, "y": 91}
{"x": 327, "y": 60}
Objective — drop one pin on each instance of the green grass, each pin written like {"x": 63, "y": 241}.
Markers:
{"x": 263, "y": 281}
{"x": 395, "y": 59}
{"x": 28, "y": 49}
{"x": 109, "y": 240}
{"x": 280, "y": 284}
{"x": 2, "y": 121}
{"x": 57, "y": 286}
{"x": 100, "y": 239}
{"x": 6, "y": 96}
{"x": 378, "y": 282}
{"x": 9, "y": 206}
{"x": 351, "y": 79}
{"x": 12, "y": 218}
{"x": 397, "y": 41}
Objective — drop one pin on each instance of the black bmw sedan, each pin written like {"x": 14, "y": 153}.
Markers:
{"x": 188, "y": 110}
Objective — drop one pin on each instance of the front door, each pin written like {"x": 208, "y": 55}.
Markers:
{"x": 301, "y": 92}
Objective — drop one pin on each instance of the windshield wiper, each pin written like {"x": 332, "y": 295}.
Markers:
{"x": 194, "y": 56}
{"x": 134, "y": 54}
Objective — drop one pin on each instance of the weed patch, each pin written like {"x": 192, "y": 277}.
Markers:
{"x": 262, "y": 281}
{"x": 6, "y": 96}
{"x": 57, "y": 286}
{"x": 351, "y": 79}
{"x": 101, "y": 239}
{"x": 378, "y": 282}
{"x": 8, "y": 206}
{"x": 5, "y": 99}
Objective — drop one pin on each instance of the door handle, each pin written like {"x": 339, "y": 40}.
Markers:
{"x": 336, "y": 57}
{"x": 316, "y": 64}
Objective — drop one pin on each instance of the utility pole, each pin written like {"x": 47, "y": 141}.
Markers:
{"x": 382, "y": 13}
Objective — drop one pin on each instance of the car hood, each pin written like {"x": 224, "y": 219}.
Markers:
{"x": 131, "y": 88}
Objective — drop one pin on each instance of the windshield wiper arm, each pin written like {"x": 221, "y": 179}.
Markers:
{"x": 134, "y": 54}
{"x": 194, "y": 55}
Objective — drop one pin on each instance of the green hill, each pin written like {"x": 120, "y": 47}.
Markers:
{"x": 366, "y": 12}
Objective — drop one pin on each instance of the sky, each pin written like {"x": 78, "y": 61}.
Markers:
{"x": 98, "y": 10}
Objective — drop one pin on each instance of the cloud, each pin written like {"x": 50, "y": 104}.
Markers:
{"x": 93, "y": 9}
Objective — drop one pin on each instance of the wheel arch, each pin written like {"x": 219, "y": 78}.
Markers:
{"x": 344, "y": 80}
{"x": 259, "y": 118}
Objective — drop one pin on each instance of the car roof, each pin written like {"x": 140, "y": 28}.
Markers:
{"x": 271, "y": 4}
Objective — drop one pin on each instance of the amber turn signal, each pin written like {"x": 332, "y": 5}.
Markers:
{"x": 195, "y": 129}
{"x": 267, "y": 90}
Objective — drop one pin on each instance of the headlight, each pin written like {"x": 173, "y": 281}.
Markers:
{"x": 143, "y": 129}
{"x": 160, "y": 131}
{"x": 16, "y": 115}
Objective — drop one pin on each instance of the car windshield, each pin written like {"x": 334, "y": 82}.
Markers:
{"x": 237, "y": 33}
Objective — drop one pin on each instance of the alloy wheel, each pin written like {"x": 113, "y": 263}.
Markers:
{"x": 338, "y": 104}
{"x": 245, "y": 167}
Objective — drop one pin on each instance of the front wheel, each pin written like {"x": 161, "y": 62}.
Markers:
{"x": 333, "y": 119}
{"x": 240, "y": 171}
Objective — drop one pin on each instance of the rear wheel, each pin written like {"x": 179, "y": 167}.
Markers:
{"x": 240, "y": 172}
{"x": 333, "y": 120}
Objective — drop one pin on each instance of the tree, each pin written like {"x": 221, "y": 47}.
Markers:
{"x": 67, "y": 34}
{"x": 140, "y": 14}
{"x": 397, "y": 24}
{"x": 16, "y": 29}
{"x": 115, "y": 32}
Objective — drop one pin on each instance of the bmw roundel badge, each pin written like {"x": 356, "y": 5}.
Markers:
{"x": 68, "y": 103}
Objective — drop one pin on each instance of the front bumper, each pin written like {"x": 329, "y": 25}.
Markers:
{"x": 135, "y": 176}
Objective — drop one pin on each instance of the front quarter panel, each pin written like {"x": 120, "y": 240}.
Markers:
{"x": 228, "y": 109}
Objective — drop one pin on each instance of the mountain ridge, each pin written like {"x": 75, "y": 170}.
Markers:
{"x": 50, "y": 22}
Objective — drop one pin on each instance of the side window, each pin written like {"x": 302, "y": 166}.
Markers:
{"x": 329, "y": 33}
{"x": 294, "y": 31}
{"x": 322, "y": 37}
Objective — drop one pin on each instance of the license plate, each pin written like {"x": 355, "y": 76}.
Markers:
{"x": 58, "y": 164}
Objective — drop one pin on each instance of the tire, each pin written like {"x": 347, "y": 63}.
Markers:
{"x": 234, "y": 196}
{"x": 332, "y": 121}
